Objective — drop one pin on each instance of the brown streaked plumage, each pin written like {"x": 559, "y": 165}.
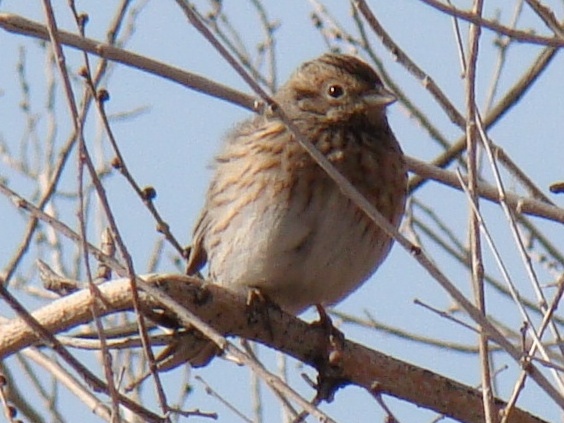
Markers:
{"x": 273, "y": 219}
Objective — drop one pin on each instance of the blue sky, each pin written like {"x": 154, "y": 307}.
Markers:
{"x": 172, "y": 142}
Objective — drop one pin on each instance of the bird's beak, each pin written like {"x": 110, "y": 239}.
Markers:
{"x": 379, "y": 97}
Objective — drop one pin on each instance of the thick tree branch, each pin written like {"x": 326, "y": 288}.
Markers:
{"x": 228, "y": 314}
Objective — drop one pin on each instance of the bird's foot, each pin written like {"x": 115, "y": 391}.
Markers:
{"x": 259, "y": 306}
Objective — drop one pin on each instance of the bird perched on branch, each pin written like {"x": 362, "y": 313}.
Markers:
{"x": 274, "y": 220}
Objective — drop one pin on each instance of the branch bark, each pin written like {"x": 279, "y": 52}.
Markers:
{"x": 228, "y": 314}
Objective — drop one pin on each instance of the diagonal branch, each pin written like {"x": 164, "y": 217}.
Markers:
{"x": 227, "y": 313}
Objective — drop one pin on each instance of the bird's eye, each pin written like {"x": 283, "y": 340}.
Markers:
{"x": 335, "y": 91}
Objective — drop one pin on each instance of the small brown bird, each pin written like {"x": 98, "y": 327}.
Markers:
{"x": 275, "y": 221}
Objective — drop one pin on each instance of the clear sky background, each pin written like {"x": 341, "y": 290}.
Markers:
{"x": 171, "y": 142}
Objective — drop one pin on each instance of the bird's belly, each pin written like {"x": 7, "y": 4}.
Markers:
{"x": 300, "y": 256}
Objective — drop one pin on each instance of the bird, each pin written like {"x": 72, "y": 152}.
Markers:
{"x": 274, "y": 221}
